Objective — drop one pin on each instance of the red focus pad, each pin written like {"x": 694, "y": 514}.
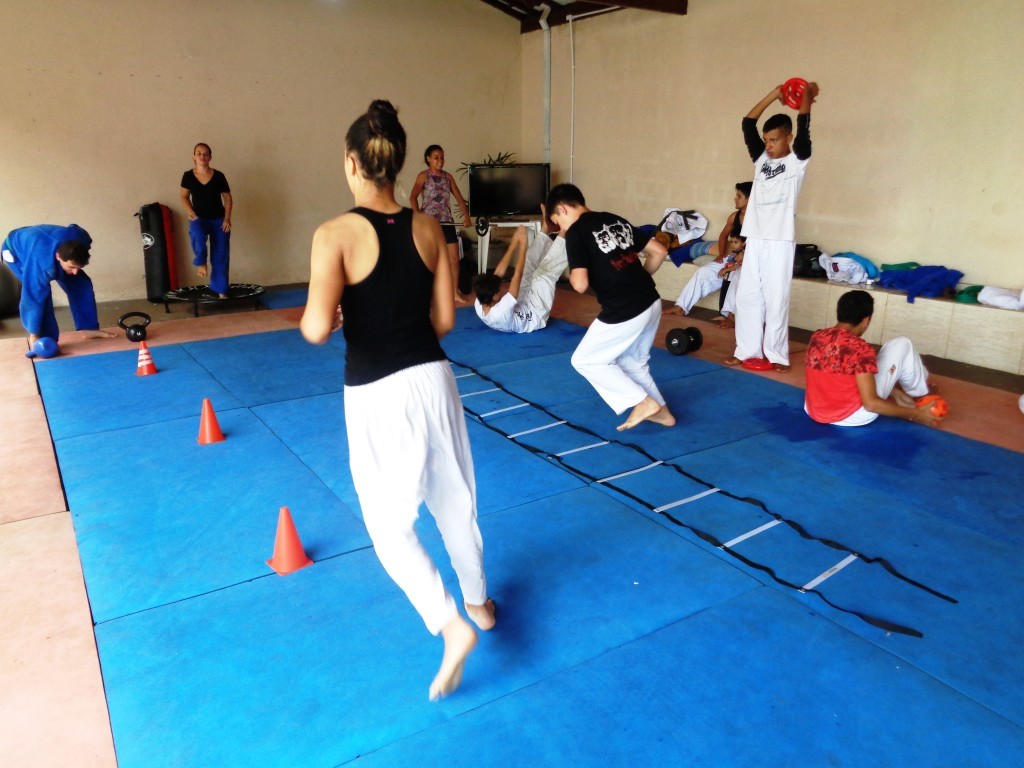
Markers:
{"x": 758, "y": 364}
{"x": 793, "y": 91}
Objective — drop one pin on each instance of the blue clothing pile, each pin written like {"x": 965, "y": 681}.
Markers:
{"x": 921, "y": 281}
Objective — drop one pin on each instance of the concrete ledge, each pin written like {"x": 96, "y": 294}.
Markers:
{"x": 968, "y": 333}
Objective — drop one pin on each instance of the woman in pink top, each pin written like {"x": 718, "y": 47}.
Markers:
{"x": 437, "y": 187}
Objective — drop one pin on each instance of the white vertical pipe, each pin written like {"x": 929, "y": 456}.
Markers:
{"x": 572, "y": 99}
{"x": 546, "y": 9}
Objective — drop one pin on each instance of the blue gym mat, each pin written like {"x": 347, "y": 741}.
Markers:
{"x": 313, "y": 428}
{"x": 711, "y": 409}
{"x": 270, "y": 367}
{"x": 472, "y": 343}
{"x": 165, "y": 519}
{"x": 531, "y": 378}
{"x": 293, "y": 297}
{"x": 754, "y": 681}
{"x": 98, "y": 393}
{"x": 332, "y": 663}
{"x": 623, "y": 638}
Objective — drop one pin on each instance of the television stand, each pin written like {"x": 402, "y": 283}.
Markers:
{"x": 484, "y": 243}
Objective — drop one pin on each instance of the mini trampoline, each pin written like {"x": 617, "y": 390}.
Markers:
{"x": 201, "y": 294}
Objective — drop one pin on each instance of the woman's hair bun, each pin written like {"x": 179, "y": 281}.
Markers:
{"x": 382, "y": 117}
{"x": 378, "y": 140}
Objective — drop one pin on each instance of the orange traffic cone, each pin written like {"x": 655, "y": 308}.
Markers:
{"x": 289, "y": 556}
{"x": 146, "y": 365}
{"x": 209, "y": 429}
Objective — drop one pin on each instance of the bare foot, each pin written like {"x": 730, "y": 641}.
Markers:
{"x": 675, "y": 309}
{"x": 459, "y": 642}
{"x": 663, "y": 417}
{"x": 781, "y": 368}
{"x": 482, "y": 615}
{"x": 731, "y": 361}
{"x": 222, "y": 295}
{"x": 642, "y": 411}
{"x": 201, "y": 271}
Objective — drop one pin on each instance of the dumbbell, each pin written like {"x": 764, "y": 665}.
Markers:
{"x": 682, "y": 341}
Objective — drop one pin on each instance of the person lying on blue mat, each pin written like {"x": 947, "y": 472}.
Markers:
{"x": 41, "y": 254}
{"x": 526, "y": 306}
{"x": 848, "y": 385}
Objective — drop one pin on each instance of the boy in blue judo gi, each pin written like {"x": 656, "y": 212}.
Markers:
{"x": 41, "y": 254}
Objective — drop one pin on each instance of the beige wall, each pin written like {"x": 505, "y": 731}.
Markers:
{"x": 916, "y": 134}
{"x": 102, "y": 101}
{"x": 916, "y": 146}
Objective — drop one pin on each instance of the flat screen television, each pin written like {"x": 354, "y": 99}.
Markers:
{"x": 508, "y": 190}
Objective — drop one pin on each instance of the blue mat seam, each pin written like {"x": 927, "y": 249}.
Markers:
{"x": 222, "y": 588}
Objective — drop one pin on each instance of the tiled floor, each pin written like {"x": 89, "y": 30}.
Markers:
{"x": 51, "y": 704}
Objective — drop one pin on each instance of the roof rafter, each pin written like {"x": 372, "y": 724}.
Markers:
{"x": 528, "y": 12}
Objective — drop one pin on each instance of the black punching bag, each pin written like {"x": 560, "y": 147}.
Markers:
{"x": 158, "y": 250}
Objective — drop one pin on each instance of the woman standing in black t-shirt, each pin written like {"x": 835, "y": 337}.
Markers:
{"x": 407, "y": 437}
{"x": 207, "y": 198}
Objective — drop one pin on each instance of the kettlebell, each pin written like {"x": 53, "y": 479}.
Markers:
{"x": 44, "y": 347}
{"x": 136, "y": 332}
{"x": 681, "y": 341}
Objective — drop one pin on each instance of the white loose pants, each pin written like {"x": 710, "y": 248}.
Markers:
{"x": 545, "y": 262}
{"x": 613, "y": 358}
{"x": 408, "y": 444}
{"x": 898, "y": 363}
{"x": 762, "y": 301}
{"x": 704, "y": 281}
{"x": 729, "y": 307}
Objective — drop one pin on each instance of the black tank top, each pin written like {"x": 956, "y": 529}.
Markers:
{"x": 387, "y": 314}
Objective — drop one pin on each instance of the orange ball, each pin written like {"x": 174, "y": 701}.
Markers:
{"x": 939, "y": 406}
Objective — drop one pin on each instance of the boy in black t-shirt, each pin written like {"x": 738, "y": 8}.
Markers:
{"x": 604, "y": 254}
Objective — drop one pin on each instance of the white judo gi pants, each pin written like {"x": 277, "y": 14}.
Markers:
{"x": 545, "y": 262}
{"x": 762, "y": 301}
{"x": 408, "y": 444}
{"x": 704, "y": 281}
{"x": 729, "y": 307}
{"x": 613, "y": 358}
{"x": 898, "y": 363}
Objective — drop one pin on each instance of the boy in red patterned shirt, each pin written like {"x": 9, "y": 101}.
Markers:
{"x": 848, "y": 385}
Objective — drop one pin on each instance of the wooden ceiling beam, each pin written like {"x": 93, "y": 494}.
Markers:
{"x": 677, "y": 7}
{"x": 511, "y": 8}
{"x": 560, "y": 13}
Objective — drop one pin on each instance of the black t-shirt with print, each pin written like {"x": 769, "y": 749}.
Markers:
{"x": 608, "y": 247}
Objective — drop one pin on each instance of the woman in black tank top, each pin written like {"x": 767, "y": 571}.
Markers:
{"x": 384, "y": 268}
